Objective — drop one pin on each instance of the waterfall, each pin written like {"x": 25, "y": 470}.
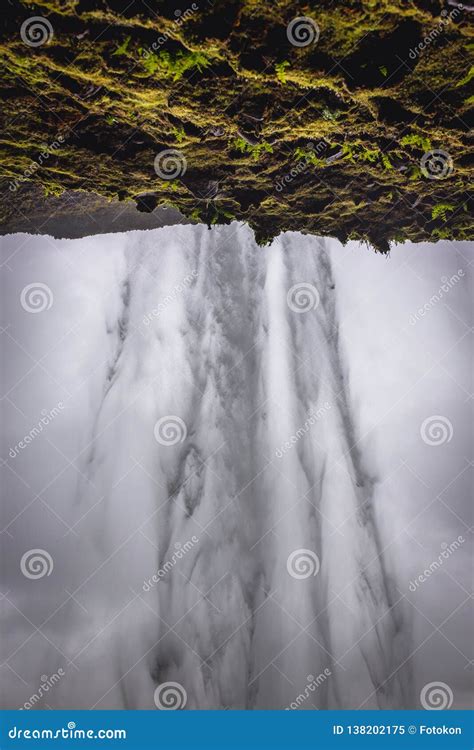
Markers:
{"x": 220, "y": 519}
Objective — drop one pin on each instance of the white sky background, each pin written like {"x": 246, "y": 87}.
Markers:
{"x": 90, "y": 478}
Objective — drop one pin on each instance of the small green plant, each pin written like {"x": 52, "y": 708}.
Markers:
{"x": 123, "y": 49}
{"x": 308, "y": 155}
{"x": 417, "y": 141}
{"x": 280, "y": 70}
{"x": 440, "y": 211}
{"x": 386, "y": 162}
{"x": 331, "y": 115}
{"x": 359, "y": 152}
{"x": 179, "y": 134}
{"x": 254, "y": 150}
{"x": 168, "y": 66}
{"x": 468, "y": 78}
{"x": 440, "y": 234}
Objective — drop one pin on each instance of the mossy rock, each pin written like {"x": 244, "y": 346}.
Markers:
{"x": 333, "y": 137}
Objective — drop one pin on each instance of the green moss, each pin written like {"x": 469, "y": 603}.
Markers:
{"x": 255, "y": 151}
{"x": 280, "y": 70}
{"x": 209, "y": 82}
{"x": 440, "y": 211}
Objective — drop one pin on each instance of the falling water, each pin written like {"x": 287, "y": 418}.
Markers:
{"x": 220, "y": 529}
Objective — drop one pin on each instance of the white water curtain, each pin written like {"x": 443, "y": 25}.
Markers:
{"x": 238, "y": 477}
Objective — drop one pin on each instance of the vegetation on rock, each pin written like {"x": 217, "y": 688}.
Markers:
{"x": 329, "y": 138}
